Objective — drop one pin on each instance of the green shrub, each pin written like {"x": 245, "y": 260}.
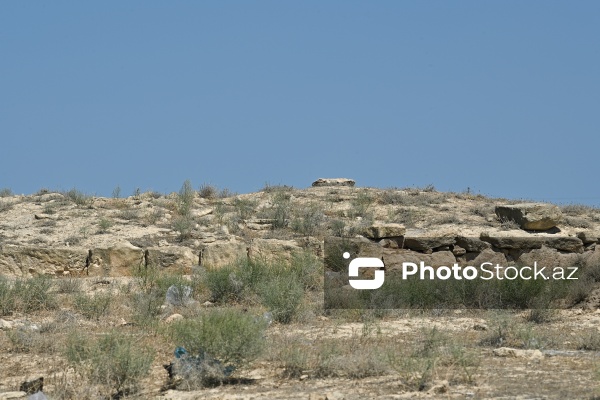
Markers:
{"x": 229, "y": 335}
{"x": 5, "y": 192}
{"x": 78, "y": 197}
{"x": 93, "y": 307}
{"x": 280, "y": 209}
{"x": 7, "y": 297}
{"x": 68, "y": 285}
{"x": 308, "y": 220}
{"x": 115, "y": 360}
{"x": 244, "y": 207}
{"x": 104, "y": 225}
{"x": 208, "y": 191}
{"x": 282, "y": 295}
{"x": 225, "y": 284}
{"x": 185, "y": 199}
{"x": 35, "y": 294}
{"x": 184, "y": 224}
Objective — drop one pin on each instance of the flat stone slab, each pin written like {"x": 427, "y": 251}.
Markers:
{"x": 531, "y": 216}
{"x": 427, "y": 244}
{"x": 588, "y": 237}
{"x": 334, "y": 182}
{"x": 523, "y": 241}
{"x": 383, "y": 230}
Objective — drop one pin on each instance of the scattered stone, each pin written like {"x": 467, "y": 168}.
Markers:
{"x": 303, "y": 377}
{"x": 439, "y": 388}
{"x": 42, "y": 216}
{"x": 173, "y": 317}
{"x": 208, "y": 304}
{"x": 518, "y": 353}
{"x": 384, "y": 230}
{"x": 588, "y": 237}
{"x": 531, "y": 216}
{"x": 5, "y": 325}
{"x": 458, "y": 251}
{"x": 334, "y": 182}
{"x": 480, "y": 327}
{"x": 13, "y": 395}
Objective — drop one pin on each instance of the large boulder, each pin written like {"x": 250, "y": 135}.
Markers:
{"x": 119, "y": 259}
{"x": 219, "y": 254}
{"x": 519, "y": 240}
{"x": 589, "y": 237}
{"x": 512, "y": 240}
{"x": 488, "y": 256}
{"x": 384, "y": 230}
{"x": 334, "y": 182}
{"x": 21, "y": 261}
{"x": 550, "y": 258}
{"x": 273, "y": 249}
{"x": 173, "y": 257}
{"x": 472, "y": 244}
{"x": 531, "y": 216}
{"x": 427, "y": 244}
{"x": 393, "y": 259}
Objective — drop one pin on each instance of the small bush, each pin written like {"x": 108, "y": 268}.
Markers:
{"x": 280, "y": 209}
{"x": 68, "y": 285}
{"x": 184, "y": 225}
{"x": 115, "y": 360}
{"x": 244, "y": 207}
{"x": 93, "y": 307}
{"x": 224, "y": 284}
{"x": 338, "y": 227}
{"x": 590, "y": 340}
{"x": 4, "y": 206}
{"x": 308, "y": 221}
{"x": 5, "y": 192}
{"x": 129, "y": 214}
{"x": 35, "y": 294}
{"x": 508, "y": 224}
{"x": 229, "y": 335}
{"x": 208, "y": 191}
{"x": 282, "y": 295}
{"x": 78, "y": 197}
{"x": 7, "y": 297}
{"x": 185, "y": 198}
{"x": 104, "y": 225}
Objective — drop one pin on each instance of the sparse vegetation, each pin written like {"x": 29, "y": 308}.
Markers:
{"x": 266, "y": 313}
{"x": 78, "y": 197}
{"x": 104, "y": 225}
{"x": 114, "y": 360}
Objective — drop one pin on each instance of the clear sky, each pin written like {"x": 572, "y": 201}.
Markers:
{"x": 502, "y": 97}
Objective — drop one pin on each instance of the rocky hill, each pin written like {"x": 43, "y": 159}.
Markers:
{"x": 70, "y": 233}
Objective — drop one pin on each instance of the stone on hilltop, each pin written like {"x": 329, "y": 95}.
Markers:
{"x": 334, "y": 182}
{"x": 383, "y": 230}
{"x": 531, "y": 216}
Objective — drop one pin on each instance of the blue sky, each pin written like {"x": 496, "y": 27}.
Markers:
{"x": 502, "y": 97}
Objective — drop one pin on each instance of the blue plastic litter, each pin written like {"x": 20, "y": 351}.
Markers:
{"x": 190, "y": 365}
